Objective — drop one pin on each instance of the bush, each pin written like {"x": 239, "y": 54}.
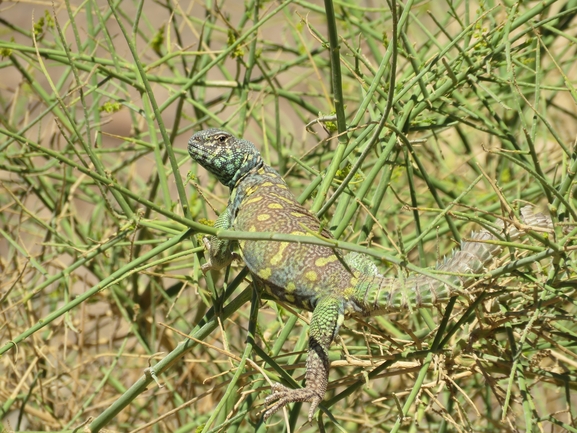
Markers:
{"x": 416, "y": 138}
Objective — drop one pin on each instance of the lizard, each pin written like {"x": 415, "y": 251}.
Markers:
{"x": 317, "y": 278}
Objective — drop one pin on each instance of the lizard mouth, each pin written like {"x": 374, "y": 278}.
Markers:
{"x": 193, "y": 144}
{"x": 196, "y": 151}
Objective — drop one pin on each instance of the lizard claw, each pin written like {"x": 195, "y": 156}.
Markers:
{"x": 281, "y": 396}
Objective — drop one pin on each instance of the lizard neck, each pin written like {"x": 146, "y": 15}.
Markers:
{"x": 245, "y": 172}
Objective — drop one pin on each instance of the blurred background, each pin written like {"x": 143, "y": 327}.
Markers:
{"x": 469, "y": 115}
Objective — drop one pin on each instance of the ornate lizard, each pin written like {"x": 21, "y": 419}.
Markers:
{"x": 312, "y": 277}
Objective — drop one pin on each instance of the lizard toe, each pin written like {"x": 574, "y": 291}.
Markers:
{"x": 206, "y": 267}
{"x": 281, "y": 396}
{"x": 206, "y": 242}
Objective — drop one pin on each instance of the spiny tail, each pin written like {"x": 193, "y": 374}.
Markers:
{"x": 377, "y": 295}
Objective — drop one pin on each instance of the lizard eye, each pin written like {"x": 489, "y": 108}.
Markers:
{"x": 221, "y": 138}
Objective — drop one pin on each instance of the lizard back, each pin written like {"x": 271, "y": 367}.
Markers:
{"x": 291, "y": 272}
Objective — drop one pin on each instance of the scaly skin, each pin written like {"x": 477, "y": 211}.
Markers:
{"x": 318, "y": 279}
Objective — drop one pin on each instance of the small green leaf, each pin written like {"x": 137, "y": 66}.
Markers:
{"x": 158, "y": 40}
{"x": 110, "y": 107}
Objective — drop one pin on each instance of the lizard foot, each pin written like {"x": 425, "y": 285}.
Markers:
{"x": 281, "y": 396}
{"x": 209, "y": 265}
{"x": 216, "y": 262}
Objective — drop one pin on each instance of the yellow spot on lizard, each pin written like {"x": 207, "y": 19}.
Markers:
{"x": 254, "y": 199}
{"x": 251, "y": 190}
{"x": 297, "y": 214}
{"x": 349, "y": 291}
{"x": 311, "y": 276}
{"x": 280, "y": 197}
{"x": 275, "y": 206}
{"x": 264, "y": 273}
{"x": 277, "y": 258}
{"x": 263, "y": 217}
{"x": 289, "y": 298}
{"x": 290, "y": 287}
{"x": 322, "y": 261}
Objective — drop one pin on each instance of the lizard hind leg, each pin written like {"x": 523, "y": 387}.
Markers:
{"x": 325, "y": 323}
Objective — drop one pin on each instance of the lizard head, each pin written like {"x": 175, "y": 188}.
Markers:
{"x": 227, "y": 157}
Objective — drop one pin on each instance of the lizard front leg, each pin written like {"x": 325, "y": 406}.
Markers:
{"x": 327, "y": 318}
{"x": 220, "y": 253}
